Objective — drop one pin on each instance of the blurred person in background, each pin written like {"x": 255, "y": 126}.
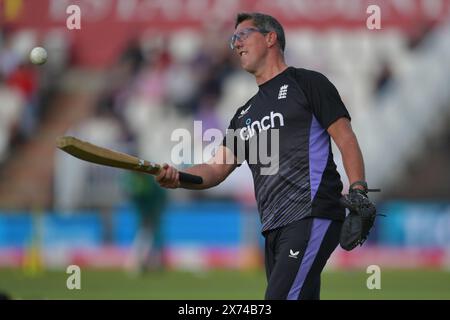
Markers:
{"x": 12, "y": 104}
{"x": 24, "y": 80}
{"x": 299, "y": 201}
{"x": 18, "y": 93}
{"x": 150, "y": 202}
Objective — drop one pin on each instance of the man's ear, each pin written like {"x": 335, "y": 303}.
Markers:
{"x": 271, "y": 39}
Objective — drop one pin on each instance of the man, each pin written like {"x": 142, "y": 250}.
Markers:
{"x": 150, "y": 201}
{"x": 298, "y": 202}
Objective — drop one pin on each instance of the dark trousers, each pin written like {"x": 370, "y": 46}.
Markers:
{"x": 295, "y": 256}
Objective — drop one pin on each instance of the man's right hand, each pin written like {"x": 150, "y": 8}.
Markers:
{"x": 168, "y": 177}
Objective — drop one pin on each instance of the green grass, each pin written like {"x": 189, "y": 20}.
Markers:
{"x": 218, "y": 284}
{"x": 395, "y": 284}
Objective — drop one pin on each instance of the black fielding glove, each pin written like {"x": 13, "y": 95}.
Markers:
{"x": 360, "y": 220}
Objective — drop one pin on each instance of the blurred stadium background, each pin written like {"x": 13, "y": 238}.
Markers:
{"x": 138, "y": 69}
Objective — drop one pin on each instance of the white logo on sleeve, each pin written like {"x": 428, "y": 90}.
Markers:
{"x": 244, "y": 112}
{"x": 293, "y": 254}
{"x": 283, "y": 92}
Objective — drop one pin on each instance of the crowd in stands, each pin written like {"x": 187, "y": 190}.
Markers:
{"x": 25, "y": 89}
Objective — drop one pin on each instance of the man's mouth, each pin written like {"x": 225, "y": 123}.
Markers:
{"x": 243, "y": 53}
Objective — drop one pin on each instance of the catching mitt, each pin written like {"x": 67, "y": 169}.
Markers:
{"x": 360, "y": 220}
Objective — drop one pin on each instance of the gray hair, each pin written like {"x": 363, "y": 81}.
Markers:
{"x": 264, "y": 22}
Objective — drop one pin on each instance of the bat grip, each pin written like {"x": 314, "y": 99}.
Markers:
{"x": 190, "y": 178}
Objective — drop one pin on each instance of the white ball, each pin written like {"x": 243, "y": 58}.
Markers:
{"x": 38, "y": 55}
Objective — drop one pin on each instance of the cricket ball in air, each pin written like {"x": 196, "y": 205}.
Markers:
{"x": 38, "y": 55}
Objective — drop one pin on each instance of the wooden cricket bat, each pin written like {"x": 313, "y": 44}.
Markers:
{"x": 107, "y": 157}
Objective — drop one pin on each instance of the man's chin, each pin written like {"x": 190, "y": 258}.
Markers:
{"x": 247, "y": 67}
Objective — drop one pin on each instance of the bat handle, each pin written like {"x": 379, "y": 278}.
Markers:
{"x": 190, "y": 178}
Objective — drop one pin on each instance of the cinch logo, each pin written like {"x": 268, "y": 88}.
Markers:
{"x": 255, "y": 127}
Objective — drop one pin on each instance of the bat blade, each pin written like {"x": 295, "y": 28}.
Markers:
{"x": 92, "y": 153}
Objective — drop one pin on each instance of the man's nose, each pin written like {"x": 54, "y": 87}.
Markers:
{"x": 238, "y": 43}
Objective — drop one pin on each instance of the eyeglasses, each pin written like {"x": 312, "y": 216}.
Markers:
{"x": 244, "y": 34}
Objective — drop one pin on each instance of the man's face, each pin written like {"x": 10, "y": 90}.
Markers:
{"x": 250, "y": 46}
